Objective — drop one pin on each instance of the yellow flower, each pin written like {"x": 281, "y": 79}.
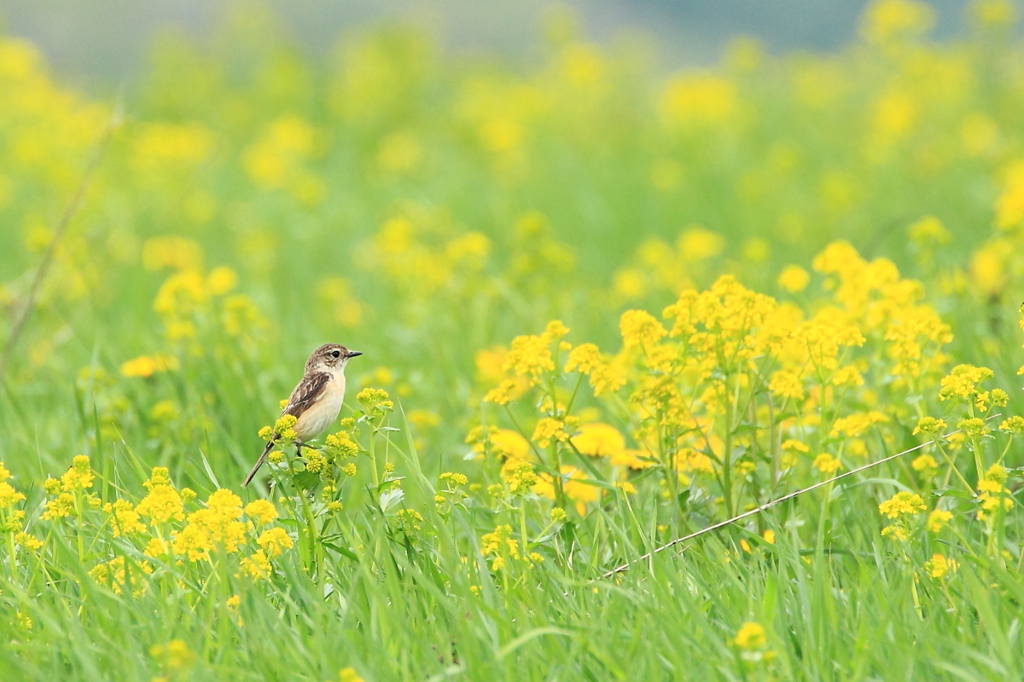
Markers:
{"x": 924, "y": 463}
{"x": 173, "y": 656}
{"x": 78, "y": 477}
{"x": 584, "y": 358}
{"x": 751, "y": 636}
{"x": 119, "y": 573}
{"x": 639, "y": 328}
{"x": 1014, "y": 424}
{"x": 972, "y": 427}
{"x": 124, "y": 518}
{"x": 929, "y": 230}
{"x": 794, "y": 279}
{"x": 572, "y": 485}
{"x": 29, "y": 542}
{"x": 902, "y": 503}
{"x": 939, "y": 566}
{"x": 349, "y": 675}
{"x": 962, "y": 382}
{"x": 503, "y": 394}
{"x": 889, "y": 20}
{"x": 520, "y": 476}
{"x": 221, "y": 280}
{"x": 163, "y": 503}
{"x": 157, "y": 548}
{"x": 284, "y": 426}
{"x": 938, "y": 519}
{"x": 215, "y": 526}
{"x": 986, "y": 486}
{"x": 508, "y": 443}
{"x": 996, "y": 472}
{"x": 786, "y": 384}
{"x": 530, "y": 356}
{"x": 796, "y": 445}
{"x": 59, "y": 507}
{"x": 274, "y": 541}
{"x": 499, "y": 542}
{"x": 341, "y": 445}
{"x": 598, "y": 440}
{"x": 549, "y": 429}
{"x": 994, "y": 12}
{"x": 607, "y": 378}
{"x": 173, "y": 252}
{"x": 698, "y": 99}
{"x": 455, "y": 479}
{"x": 375, "y": 400}
{"x": 555, "y": 330}
{"x": 261, "y": 511}
{"x": 856, "y": 424}
{"x": 146, "y": 366}
{"x": 896, "y": 532}
{"x": 827, "y": 464}
{"x": 1010, "y": 206}
{"x": 929, "y": 425}
{"x": 9, "y": 496}
{"x": 257, "y": 566}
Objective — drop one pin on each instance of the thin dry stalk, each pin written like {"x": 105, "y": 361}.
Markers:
{"x": 47, "y": 260}
{"x": 772, "y": 503}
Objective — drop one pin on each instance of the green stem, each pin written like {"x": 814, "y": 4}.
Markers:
{"x": 952, "y": 468}
{"x": 10, "y": 548}
{"x": 522, "y": 528}
{"x": 373, "y": 457}
{"x": 78, "y": 527}
{"x": 727, "y": 455}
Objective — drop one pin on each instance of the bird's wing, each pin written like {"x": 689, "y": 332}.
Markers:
{"x": 307, "y": 393}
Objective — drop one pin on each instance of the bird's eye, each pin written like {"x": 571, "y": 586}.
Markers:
{"x": 336, "y": 353}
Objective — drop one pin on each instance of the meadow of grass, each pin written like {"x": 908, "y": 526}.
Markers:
{"x": 601, "y": 307}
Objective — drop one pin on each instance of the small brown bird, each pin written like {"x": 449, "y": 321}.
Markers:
{"x": 317, "y": 400}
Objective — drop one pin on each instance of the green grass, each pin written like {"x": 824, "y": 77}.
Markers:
{"x": 569, "y": 206}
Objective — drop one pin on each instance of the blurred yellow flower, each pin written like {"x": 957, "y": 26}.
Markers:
{"x": 693, "y": 99}
{"x": 147, "y": 365}
{"x": 889, "y": 20}
{"x": 699, "y": 243}
{"x": 794, "y": 279}
{"x": 598, "y": 440}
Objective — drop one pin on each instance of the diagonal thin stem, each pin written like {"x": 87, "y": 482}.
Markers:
{"x": 772, "y": 503}
{"x": 62, "y": 227}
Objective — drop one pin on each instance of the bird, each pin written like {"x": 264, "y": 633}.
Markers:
{"x": 316, "y": 400}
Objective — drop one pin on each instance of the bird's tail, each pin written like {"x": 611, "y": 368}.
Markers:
{"x": 260, "y": 461}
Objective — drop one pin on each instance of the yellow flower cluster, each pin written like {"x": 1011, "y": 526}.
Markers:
{"x": 752, "y": 642}
{"x": 961, "y": 384}
{"x": 993, "y": 495}
{"x": 216, "y": 526}
{"x": 500, "y": 547}
{"x": 902, "y": 504}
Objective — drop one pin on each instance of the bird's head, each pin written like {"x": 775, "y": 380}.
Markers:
{"x": 330, "y": 357}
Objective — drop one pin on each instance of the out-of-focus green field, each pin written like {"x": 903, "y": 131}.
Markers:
{"x": 791, "y": 266}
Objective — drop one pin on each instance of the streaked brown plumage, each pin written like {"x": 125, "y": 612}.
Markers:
{"x": 316, "y": 400}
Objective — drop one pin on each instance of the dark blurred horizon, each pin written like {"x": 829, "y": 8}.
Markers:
{"x": 107, "y": 41}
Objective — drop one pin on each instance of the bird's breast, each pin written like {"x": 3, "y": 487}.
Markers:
{"x": 321, "y": 414}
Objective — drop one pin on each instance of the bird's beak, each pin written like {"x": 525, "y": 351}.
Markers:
{"x": 354, "y": 353}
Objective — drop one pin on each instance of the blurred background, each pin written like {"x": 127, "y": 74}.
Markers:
{"x": 108, "y": 40}
{"x": 425, "y": 181}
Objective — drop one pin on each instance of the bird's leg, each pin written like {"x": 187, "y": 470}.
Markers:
{"x": 298, "y": 450}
